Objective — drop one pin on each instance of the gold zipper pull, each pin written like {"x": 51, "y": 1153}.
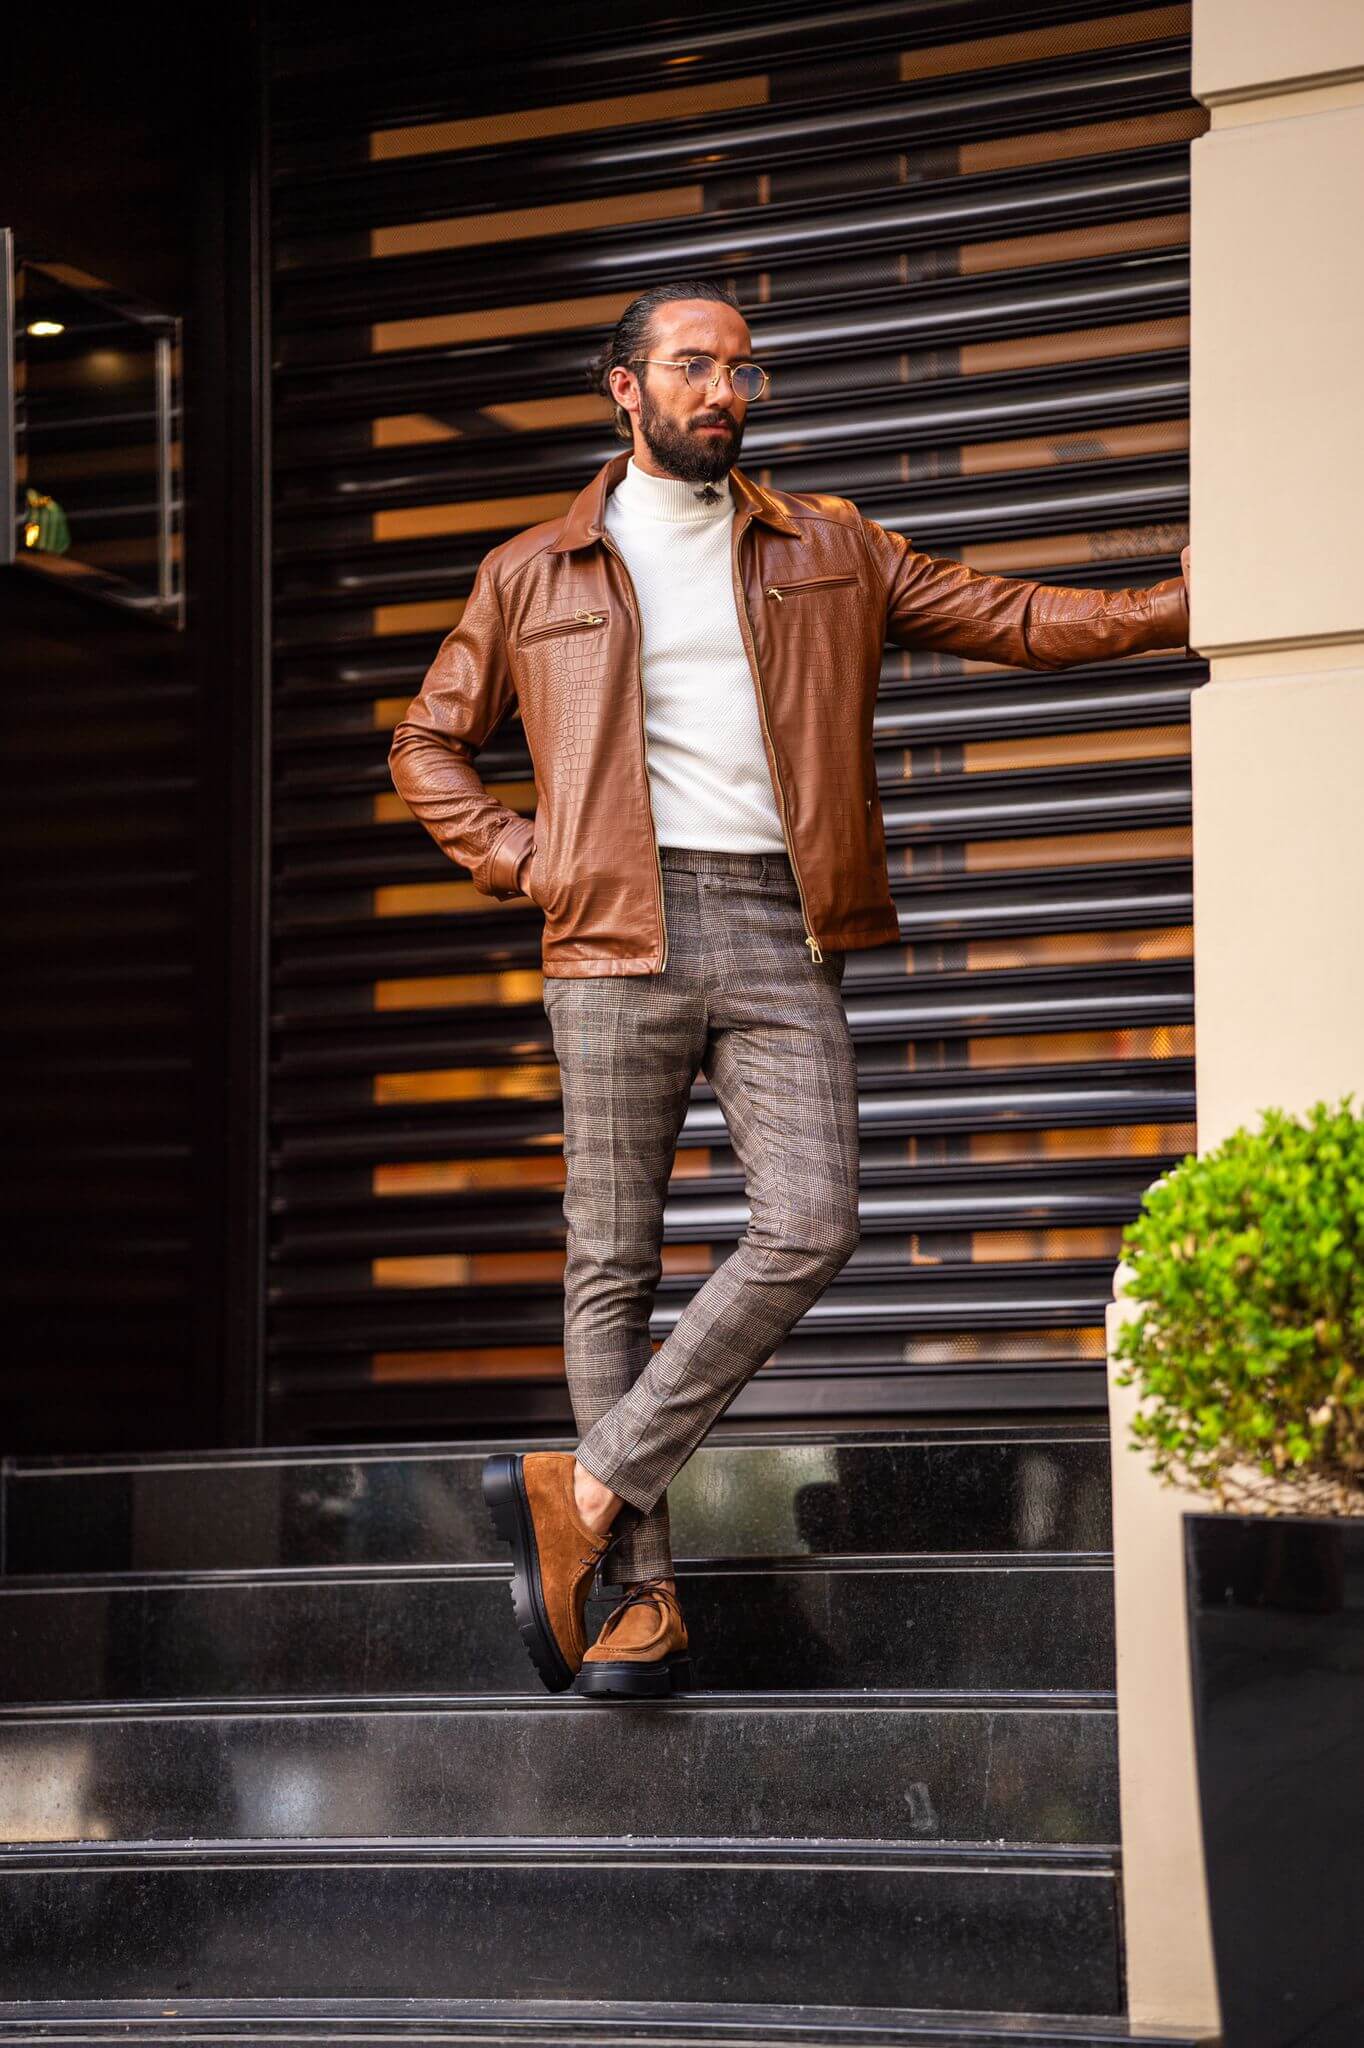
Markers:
{"x": 772, "y": 591}
{"x": 815, "y": 953}
{"x": 591, "y": 618}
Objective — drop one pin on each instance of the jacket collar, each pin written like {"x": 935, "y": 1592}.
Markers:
{"x": 584, "y": 519}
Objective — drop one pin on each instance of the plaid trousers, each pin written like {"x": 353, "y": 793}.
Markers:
{"x": 741, "y": 999}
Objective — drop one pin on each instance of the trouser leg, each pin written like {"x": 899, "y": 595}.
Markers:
{"x": 779, "y": 1055}
{"x": 628, "y": 1047}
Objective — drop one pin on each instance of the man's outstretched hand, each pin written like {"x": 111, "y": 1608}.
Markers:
{"x": 1184, "y": 555}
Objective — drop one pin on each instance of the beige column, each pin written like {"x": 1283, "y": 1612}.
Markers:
{"x": 1277, "y": 607}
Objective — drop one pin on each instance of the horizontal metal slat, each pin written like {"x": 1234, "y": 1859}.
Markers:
{"x": 340, "y": 1319}
{"x": 901, "y": 1104}
{"x": 323, "y": 507}
{"x": 941, "y": 1005}
{"x": 342, "y": 378}
{"x": 818, "y": 130}
{"x": 955, "y": 212}
{"x": 934, "y": 908}
{"x": 1110, "y": 499}
{"x": 406, "y": 70}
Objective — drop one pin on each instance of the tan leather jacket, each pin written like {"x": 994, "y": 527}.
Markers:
{"x": 553, "y": 624}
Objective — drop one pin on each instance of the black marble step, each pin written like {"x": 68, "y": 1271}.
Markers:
{"x": 743, "y": 1494}
{"x": 895, "y": 1768}
{"x": 960, "y": 1624}
{"x": 843, "y": 1922}
{"x": 545, "y": 2023}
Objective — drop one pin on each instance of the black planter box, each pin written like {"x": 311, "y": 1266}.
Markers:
{"x": 1276, "y": 1628}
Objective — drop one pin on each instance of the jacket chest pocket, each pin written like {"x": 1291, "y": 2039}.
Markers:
{"x": 780, "y": 592}
{"x": 572, "y": 622}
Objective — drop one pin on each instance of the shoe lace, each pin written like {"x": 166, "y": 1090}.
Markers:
{"x": 598, "y": 1557}
{"x": 641, "y": 1590}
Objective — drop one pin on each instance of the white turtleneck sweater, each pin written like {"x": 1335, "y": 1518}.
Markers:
{"x": 709, "y": 783}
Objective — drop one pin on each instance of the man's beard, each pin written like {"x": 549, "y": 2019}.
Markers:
{"x": 685, "y": 452}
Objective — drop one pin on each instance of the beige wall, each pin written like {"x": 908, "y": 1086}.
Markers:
{"x": 1277, "y": 606}
{"x": 1252, "y": 47}
{"x": 1276, "y": 428}
{"x": 1278, "y": 872}
{"x": 1171, "y": 1982}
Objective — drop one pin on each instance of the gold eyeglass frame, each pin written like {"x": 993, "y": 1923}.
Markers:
{"x": 684, "y": 362}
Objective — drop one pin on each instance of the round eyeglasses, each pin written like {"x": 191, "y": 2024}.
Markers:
{"x": 747, "y": 380}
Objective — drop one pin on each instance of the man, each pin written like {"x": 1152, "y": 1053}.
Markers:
{"x": 696, "y": 660}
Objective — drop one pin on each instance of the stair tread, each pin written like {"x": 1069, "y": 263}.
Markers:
{"x": 888, "y": 1561}
{"x": 897, "y": 1768}
{"x": 960, "y": 1624}
{"x": 1017, "y": 1492}
{"x": 814, "y": 1700}
{"x": 560, "y": 2021}
{"x": 852, "y": 1923}
{"x": 720, "y": 1436}
{"x": 834, "y": 1850}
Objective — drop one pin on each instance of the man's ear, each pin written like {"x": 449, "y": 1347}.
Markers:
{"x": 629, "y": 389}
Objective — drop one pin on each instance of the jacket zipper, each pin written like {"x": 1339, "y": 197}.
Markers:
{"x": 563, "y": 625}
{"x": 810, "y": 939}
{"x": 643, "y": 739}
{"x": 810, "y": 583}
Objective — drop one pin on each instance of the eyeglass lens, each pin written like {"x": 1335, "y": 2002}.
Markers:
{"x": 747, "y": 379}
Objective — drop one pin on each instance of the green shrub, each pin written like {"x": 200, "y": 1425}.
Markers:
{"x": 1248, "y": 1348}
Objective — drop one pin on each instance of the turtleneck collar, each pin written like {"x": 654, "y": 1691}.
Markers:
{"x": 641, "y": 495}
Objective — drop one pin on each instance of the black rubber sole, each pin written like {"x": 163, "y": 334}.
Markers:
{"x": 504, "y": 1489}
{"x": 636, "y": 1681}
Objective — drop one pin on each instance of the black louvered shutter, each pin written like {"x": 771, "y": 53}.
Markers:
{"x": 960, "y": 234}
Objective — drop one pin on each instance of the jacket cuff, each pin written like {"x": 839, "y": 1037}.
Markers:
{"x": 508, "y": 851}
{"x": 1169, "y": 613}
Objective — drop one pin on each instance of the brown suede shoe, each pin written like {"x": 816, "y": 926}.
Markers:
{"x": 555, "y": 1555}
{"x": 641, "y": 1652}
